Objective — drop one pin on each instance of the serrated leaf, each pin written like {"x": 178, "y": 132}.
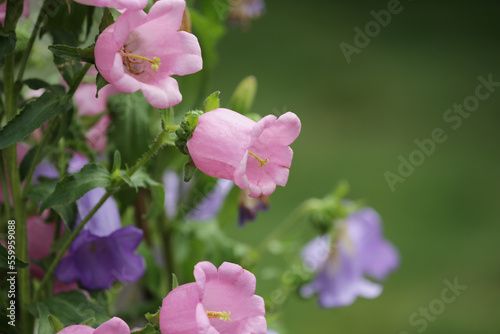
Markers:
{"x": 33, "y": 115}
{"x": 70, "y": 308}
{"x": 74, "y": 186}
{"x": 149, "y": 329}
{"x": 4, "y": 260}
{"x": 212, "y": 101}
{"x": 55, "y": 324}
{"x": 189, "y": 170}
{"x": 73, "y": 53}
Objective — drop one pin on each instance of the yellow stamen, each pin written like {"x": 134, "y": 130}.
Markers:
{"x": 224, "y": 316}
{"x": 262, "y": 162}
{"x": 155, "y": 62}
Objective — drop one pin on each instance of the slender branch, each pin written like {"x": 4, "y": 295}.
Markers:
{"x": 31, "y": 41}
{"x": 161, "y": 140}
{"x": 77, "y": 80}
{"x": 19, "y": 205}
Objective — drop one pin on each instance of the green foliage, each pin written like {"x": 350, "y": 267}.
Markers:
{"x": 149, "y": 329}
{"x": 243, "y": 96}
{"x": 143, "y": 180}
{"x": 189, "y": 170}
{"x": 69, "y": 308}
{"x": 74, "y": 186}
{"x": 185, "y": 131}
{"x": 7, "y": 45}
{"x": 55, "y": 324}
{"x": 33, "y": 115}
{"x": 175, "y": 282}
{"x": 100, "y": 82}
{"x": 4, "y": 256}
{"x": 73, "y": 53}
{"x": 155, "y": 318}
{"x": 107, "y": 20}
{"x": 130, "y": 132}
{"x": 212, "y": 101}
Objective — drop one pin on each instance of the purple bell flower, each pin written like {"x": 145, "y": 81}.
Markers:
{"x": 103, "y": 252}
{"x": 358, "y": 250}
{"x": 207, "y": 209}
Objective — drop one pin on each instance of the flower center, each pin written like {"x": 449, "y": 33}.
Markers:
{"x": 224, "y": 316}
{"x": 261, "y": 161}
{"x": 130, "y": 59}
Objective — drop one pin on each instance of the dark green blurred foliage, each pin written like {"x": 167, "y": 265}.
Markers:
{"x": 357, "y": 119}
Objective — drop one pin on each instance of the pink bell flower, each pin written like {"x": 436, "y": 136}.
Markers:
{"x": 142, "y": 51}
{"x": 118, "y": 4}
{"x": 221, "y": 301}
{"x": 113, "y": 326}
{"x": 256, "y": 155}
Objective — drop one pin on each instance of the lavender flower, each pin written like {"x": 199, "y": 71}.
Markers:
{"x": 358, "y": 250}
{"x": 103, "y": 252}
{"x": 206, "y": 210}
{"x": 249, "y": 207}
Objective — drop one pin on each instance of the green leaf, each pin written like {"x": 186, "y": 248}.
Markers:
{"x": 69, "y": 308}
{"x": 73, "y": 53}
{"x": 107, "y": 20}
{"x": 4, "y": 260}
{"x": 117, "y": 163}
{"x": 243, "y": 96}
{"x": 212, "y": 101}
{"x": 130, "y": 132}
{"x": 44, "y": 325}
{"x": 33, "y": 115}
{"x": 154, "y": 318}
{"x": 175, "y": 282}
{"x": 143, "y": 180}
{"x": 74, "y": 186}
{"x": 7, "y": 46}
{"x": 36, "y": 84}
{"x": 100, "y": 82}
{"x": 189, "y": 170}
{"x": 55, "y": 324}
{"x": 149, "y": 329}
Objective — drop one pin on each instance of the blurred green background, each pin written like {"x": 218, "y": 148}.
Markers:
{"x": 358, "y": 118}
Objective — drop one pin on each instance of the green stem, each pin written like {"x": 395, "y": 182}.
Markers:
{"x": 161, "y": 140}
{"x": 38, "y": 152}
{"x": 31, "y": 41}
{"x": 19, "y": 207}
{"x": 286, "y": 225}
{"x": 5, "y": 189}
{"x": 77, "y": 80}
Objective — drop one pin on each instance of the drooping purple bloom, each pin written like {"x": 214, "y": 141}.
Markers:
{"x": 210, "y": 206}
{"x": 358, "y": 250}
{"x": 103, "y": 252}
{"x": 206, "y": 210}
{"x": 249, "y": 207}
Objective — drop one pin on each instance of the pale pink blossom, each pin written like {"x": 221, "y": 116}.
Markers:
{"x": 256, "y": 155}
{"x": 142, "y": 51}
{"x": 221, "y": 301}
{"x": 113, "y": 326}
{"x": 118, "y": 4}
